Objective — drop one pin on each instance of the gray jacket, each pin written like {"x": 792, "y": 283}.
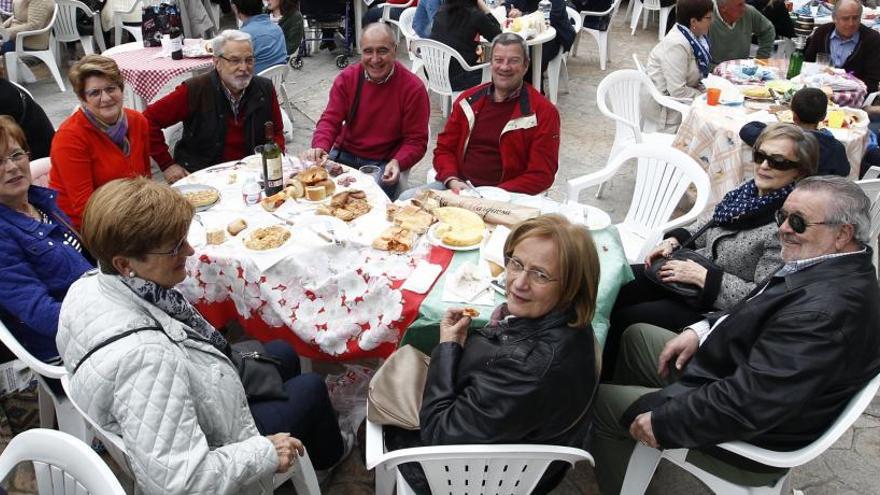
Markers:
{"x": 174, "y": 398}
{"x": 745, "y": 256}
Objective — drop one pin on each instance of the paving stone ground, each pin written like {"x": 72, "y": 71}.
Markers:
{"x": 849, "y": 467}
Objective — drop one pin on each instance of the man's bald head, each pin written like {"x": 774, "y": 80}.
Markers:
{"x": 376, "y": 32}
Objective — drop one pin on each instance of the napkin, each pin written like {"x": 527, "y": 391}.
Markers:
{"x": 469, "y": 284}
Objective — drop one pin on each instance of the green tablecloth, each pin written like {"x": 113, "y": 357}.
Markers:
{"x": 424, "y": 334}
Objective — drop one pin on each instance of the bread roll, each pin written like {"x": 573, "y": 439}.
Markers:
{"x": 315, "y": 193}
{"x": 236, "y": 226}
{"x": 216, "y": 236}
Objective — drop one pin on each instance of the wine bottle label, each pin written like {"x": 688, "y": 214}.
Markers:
{"x": 274, "y": 171}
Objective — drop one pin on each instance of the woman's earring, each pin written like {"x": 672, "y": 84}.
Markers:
{"x": 132, "y": 274}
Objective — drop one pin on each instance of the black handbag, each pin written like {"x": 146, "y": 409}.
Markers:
{"x": 690, "y": 292}
{"x": 258, "y": 370}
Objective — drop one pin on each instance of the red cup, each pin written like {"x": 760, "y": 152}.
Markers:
{"x": 712, "y": 96}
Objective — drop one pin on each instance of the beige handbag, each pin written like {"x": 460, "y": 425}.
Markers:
{"x": 395, "y": 394}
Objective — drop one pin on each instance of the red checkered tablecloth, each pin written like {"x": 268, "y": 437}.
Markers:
{"x": 147, "y": 73}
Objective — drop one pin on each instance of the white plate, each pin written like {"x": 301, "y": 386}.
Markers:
{"x": 437, "y": 242}
{"x": 597, "y": 219}
{"x": 488, "y": 192}
{"x": 187, "y": 188}
{"x": 246, "y": 233}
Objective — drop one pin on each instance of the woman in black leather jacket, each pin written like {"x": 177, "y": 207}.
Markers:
{"x": 530, "y": 374}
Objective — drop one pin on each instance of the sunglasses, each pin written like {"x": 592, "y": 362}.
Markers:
{"x": 774, "y": 161}
{"x": 797, "y": 222}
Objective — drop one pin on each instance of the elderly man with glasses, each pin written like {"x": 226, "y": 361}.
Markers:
{"x": 775, "y": 370}
{"x": 223, "y": 112}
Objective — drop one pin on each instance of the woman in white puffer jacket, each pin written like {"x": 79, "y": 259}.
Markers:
{"x": 162, "y": 382}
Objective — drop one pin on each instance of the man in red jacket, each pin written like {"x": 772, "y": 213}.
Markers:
{"x": 377, "y": 114}
{"x": 503, "y": 133}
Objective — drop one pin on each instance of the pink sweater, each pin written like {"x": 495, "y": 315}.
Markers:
{"x": 391, "y": 120}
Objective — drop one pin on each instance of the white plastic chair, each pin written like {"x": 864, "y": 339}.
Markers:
{"x": 386, "y": 12}
{"x": 52, "y": 405}
{"x": 47, "y": 56}
{"x": 65, "y": 26}
{"x": 436, "y": 58}
{"x": 871, "y": 99}
{"x": 40, "y": 171}
{"x": 681, "y": 106}
{"x": 650, "y": 6}
{"x": 409, "y": 34}
{"x": 644, "y": 459}
{"x": 560, "y": 61}
{"x": 663, "y": 175}
{"x": 62, "y": 464}
{"x": 601, "y": 37}
{"x": 301, "y": 474}
{"x": 870, "y": 183}
{"x": 278, "y": 73}
{"x": 510, "y": 469}
{"x": 119, "y": 24}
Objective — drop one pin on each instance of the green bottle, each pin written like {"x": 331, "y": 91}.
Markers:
{"x": 272, "y": 172}
{"x": 796, "y": 61}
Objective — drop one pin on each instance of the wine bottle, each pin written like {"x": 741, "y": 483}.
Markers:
{"x": 272, "y": 172}
{"x": 176, "y": 43}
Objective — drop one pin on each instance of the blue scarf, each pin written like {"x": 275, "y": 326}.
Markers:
{"x": 745, "y": 200}
{"x": 700, "y": 48}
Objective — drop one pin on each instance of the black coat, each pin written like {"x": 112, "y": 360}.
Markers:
{"x": 778, "y": 371}
{"x": 29, "y": 115}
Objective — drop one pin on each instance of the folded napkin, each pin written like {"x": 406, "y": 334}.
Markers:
{"x": 469, "y": 284}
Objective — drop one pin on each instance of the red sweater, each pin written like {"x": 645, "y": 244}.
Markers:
{"x": 174, "y": 108}
{"x": 529, "y": 142}
{"x": 391, "y": 120}
{"x": 84, "y": 159}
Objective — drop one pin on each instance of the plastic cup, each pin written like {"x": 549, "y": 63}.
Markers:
{"x": 712, "y": 96}
{"x": 373, "y": 171}
{"x": 823, "y": 59}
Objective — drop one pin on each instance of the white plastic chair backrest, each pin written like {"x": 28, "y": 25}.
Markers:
{"x": 65, "y": 26}
{"x": 405, "y": 23}
{"x": 574, "y": 17}
{"x": 276, "y": 73}
{"x": 509, "y": 469}
{"x": 871, "y": 99}
{"x": 618, "y": 97}
{"x": 40, "y": 171}
{"x": 62, "y": 464}
{"x": 23, "y": 89}
{"x": 19, "y": 47}
{"x": 872, "y": 189}
{"x": 639, "y": 66}
{"x": 850, "y": 414}
{"x": 650, "y": 4}
{"x": 27, "y": 358}
{"x": 112, "y": 442}
{"x": 663, "y": 175}
{"x": 436, "y": 57}
{"x": 613, "y": 8}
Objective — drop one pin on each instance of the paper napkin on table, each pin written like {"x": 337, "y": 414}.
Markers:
{"x": 468, "y": 284}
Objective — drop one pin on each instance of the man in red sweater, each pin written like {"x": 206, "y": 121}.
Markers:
{"x": 377, "y": 114}
{"x": 503, "y": 133}
{"x": 223, "y": 112}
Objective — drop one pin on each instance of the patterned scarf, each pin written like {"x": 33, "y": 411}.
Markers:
{"x": 700, "y": 47}
{"x": 118, "y": 132}
{"x": 172, "y": 302}
{"x": 745, "y": 200}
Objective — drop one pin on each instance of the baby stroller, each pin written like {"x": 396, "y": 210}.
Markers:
{"x": 324, "y": 15}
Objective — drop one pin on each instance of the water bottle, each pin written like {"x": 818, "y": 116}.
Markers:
{"x": 544, "y": 6}
{"x": 250, "y": 191}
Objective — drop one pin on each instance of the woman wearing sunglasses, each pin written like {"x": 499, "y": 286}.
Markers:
{"x": 739, "y": 236}
{"x": 100, "y": 141}
{"x": 40, "y": 255}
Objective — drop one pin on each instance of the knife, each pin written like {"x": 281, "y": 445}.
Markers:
{"x": 279, "y": 217}
{"x": 474, "y": 189}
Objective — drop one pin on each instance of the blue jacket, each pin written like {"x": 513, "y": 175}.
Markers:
{"x": 270, "y": 47}
{"x": 832, "y": 154}
{"x": 36, "y": 269}
{"x": 424, "y": 17}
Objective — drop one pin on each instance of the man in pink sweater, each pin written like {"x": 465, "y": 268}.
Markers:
{"x": 377, "y": 114}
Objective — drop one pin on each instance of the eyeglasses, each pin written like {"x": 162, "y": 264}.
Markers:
{"x": 95, "y": 93}
{"x": 17, "y": 158}
{"x": 174, "y": 252}
{"x": 382, "y": 52}
{"x": 238, "y": 61}
{"x": 537, "y": 277}
{"x": 774, "y": 161}
{"x": 797, "y": 222}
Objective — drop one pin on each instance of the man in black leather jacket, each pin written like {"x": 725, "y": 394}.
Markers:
{"x": 775, "y": 371}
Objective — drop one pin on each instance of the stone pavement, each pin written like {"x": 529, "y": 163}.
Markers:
{"x": 850, "y": 466}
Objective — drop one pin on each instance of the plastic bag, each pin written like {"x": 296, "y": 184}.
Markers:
{"x": 348, "y": 394}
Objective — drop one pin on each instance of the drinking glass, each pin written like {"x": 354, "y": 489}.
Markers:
{"x": 823, "y": 59}
{"x": 373, "y": 171}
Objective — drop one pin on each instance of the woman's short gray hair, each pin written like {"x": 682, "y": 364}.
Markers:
{"x": 512, "y": 39}
{"x": 219, "y": 41}
{"x": 805, "y": 144}
{"x": 847, "y": 203}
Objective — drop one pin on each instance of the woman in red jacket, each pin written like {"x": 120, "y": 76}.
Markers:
{"x": 101, "y": 141}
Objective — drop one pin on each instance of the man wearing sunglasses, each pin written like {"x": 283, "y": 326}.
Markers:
{"x": 776, "y": 370}
{"x": 223, "y": 111}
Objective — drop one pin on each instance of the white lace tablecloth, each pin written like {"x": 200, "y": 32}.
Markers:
{"x": 339, "y": 301}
